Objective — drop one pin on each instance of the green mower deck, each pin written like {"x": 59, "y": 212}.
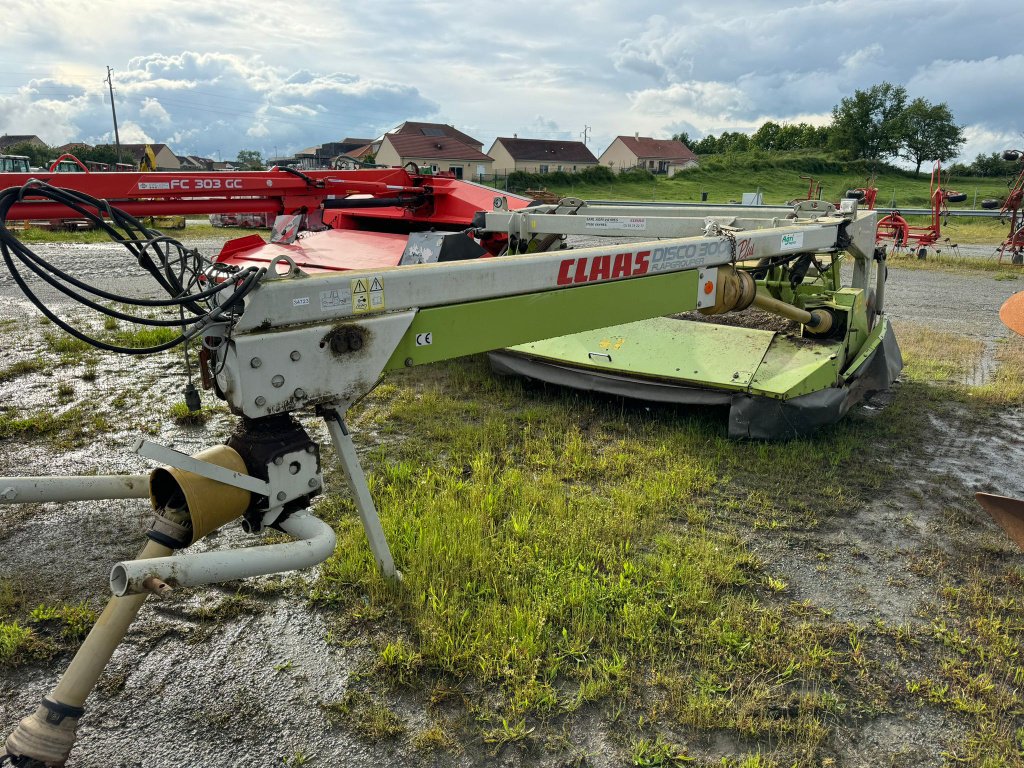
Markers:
{"x": 776, "y": 384}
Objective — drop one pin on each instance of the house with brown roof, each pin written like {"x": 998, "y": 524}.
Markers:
{"x": 656, "y": 155}
{"x": 195, "y": 163}
{"x": 9, "y": 140}
{"x": 539, "y": 155}
{"x": 74, "y": 146}
{"x": 436, "y": 153}
{"x": 436, "y": 130}
{"x": 166, "y": 160}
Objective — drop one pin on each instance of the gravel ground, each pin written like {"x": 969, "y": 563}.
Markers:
{"x": 248, "y": 690}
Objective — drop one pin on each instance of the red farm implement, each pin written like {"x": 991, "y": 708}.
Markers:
{"x": 1011, "y": 208}
{"x": 895, "y": 230}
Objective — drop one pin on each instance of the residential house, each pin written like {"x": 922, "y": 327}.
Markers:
{"x": 166, "y": 160}
{"x": 354, "y": 158}
{"x": 435, "y": 153}
{"x": 12, "y": 140}
{"x": 539, "y": 155}
{"x": 656, "y": 155}
{"x": 436, "y": 130}
{"x": 195, "y": 163}
{"x": 73, "y": 147}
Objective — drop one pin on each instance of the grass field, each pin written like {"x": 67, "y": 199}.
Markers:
{"x": 564, "y": 553}
{"x": 780, "y": 186}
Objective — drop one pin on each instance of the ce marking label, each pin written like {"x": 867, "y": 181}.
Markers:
{"x": 424, "y": 339}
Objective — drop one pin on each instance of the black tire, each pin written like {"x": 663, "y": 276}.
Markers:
{"x": 956, "y": 197}
{"x": 1012, "y": 155}
{"x": 854, "y": 194}
{"x": 922, "y": 252}
{"x": 991, "y": 205}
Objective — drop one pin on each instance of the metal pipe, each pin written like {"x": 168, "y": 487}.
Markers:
{"x": 773, "y": 305}
{"x": 26, "y": 490}
{"x": 48, "y": 734}
{"x": 881, "y": 270}
{"x": 315, "y": 544}
{"x": 818, "y": 320}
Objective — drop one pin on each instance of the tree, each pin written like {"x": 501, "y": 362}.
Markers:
{"x": 706, "y": 146}
{"x": 993, "y": 166}
{"x": 682, "y": 136}
{"x": 870, "y": 124}
{"x": 930, "y": 133}
{"x": 733, "y": 141}
{"x": 38, "y": 157}
{"x": 767, "y": 136}
{"x": 250, "y": 159}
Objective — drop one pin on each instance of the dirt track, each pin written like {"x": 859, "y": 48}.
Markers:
{"x": 247, "y": 690}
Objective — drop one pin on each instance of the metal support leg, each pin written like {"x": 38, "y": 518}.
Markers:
{"x": 346, "y": 451}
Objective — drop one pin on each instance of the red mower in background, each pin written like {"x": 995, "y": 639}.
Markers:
{"x": 895, "y": 230}
{"x": 372, "y": 211}
{"x": 1011, "y": 207}
{"x": 865, "y": 194}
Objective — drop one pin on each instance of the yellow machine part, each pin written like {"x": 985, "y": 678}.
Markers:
{"x": 210, "y": 503}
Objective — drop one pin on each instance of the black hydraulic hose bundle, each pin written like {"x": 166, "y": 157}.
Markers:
{"x": 178, "y": 270}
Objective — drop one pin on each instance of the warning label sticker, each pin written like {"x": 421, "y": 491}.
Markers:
{"x": 154, "y": 185}
{"x": 367, "y": 294}
{"x": 615, "y": 222}
{"x": 334, "y": 300}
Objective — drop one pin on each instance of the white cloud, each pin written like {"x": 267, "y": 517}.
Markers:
{"x": 153, "y": 112}
{"x": 258, "y": 76}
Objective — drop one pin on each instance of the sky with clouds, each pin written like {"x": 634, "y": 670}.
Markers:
{"x": 211, "y": 78}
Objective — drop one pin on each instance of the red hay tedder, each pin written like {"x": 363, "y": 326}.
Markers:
{"x": 1011, "y": 207}
{"x": 895, "y": 229}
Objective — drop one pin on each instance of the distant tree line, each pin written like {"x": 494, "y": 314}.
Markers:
{"x": 992, "y": 165}
{"x": 770, "y": 137}
{"x": 877, "y": 124}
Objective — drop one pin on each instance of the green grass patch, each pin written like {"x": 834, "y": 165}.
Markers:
{"x": 21, "y": 368}
{"x": 69, "y": 428}
{"x": 370, "y": 717}
{"x": 18, "y": 644}
{"x": 561, "y": 551}
{"x": 973, "y": 666}
{"x": 64, "y": 344}
{"x": 1006, "y": 385}
{"x": 180, "y": 414}
{"x": 144, "y": 336}
{"x": 70, "y": 623}
{"x": 938, "y": 356}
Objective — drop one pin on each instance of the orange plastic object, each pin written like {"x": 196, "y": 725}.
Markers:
{"x": 1007, "y": 512}
{"x": 1012, "y": 313}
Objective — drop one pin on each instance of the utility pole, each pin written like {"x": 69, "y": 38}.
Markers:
{"x": 586, "y": 130}
{"x": 117, "y": 137}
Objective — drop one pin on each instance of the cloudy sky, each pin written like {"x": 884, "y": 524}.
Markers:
{"x": 211, "y": 78}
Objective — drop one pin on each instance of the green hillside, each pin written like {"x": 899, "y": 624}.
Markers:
{"x": 777, "y": 176}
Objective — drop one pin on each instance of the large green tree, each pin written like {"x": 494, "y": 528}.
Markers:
{"x": 250, "y": 159}
{"x": 930, "y": 133}
{"x": 870, "y": 124}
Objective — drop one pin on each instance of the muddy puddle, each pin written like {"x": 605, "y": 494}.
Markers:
{"x": 250, "y": 688}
